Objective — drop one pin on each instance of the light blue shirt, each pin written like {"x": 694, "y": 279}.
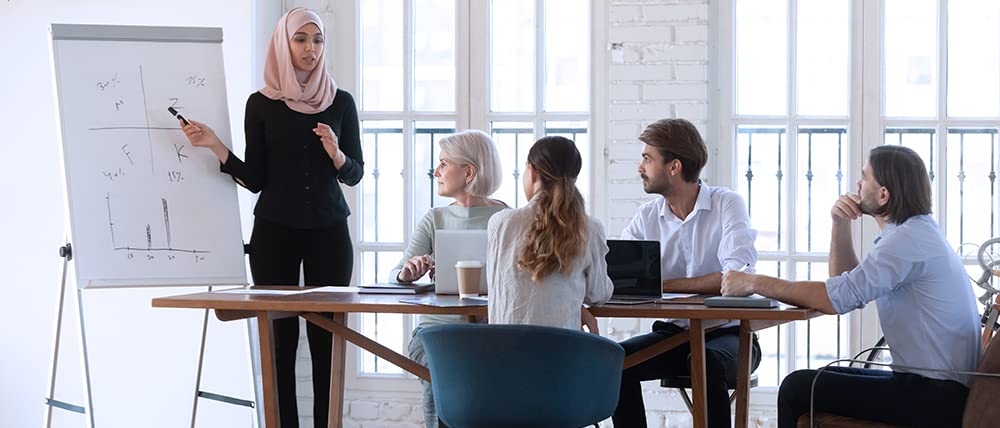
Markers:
{"x": 924, "y": 298}
{"x": 714, "y": 237}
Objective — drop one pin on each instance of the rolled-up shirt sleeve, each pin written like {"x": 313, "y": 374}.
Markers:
{"x": 879, "y": 273}
{"x": 736, "y": 248}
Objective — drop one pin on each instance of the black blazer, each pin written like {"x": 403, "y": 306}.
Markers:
{"x": 286, "y": 163}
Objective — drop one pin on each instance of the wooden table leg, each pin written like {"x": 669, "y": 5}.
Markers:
{"x": 269, "y": 378}
{"x": 743, "y": 358}
{"x": 699, "y": 398}
{"x": 379, "y": 350}
{"x": 337, "y": 364}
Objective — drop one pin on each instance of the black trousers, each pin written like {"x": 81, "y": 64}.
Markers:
{"x": 876, "y": 395}
{"x": 327, "y": 258}
{"x": 721, "y": 349}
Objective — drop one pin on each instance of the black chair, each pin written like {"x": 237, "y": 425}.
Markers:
{"x": 683, "y": 383}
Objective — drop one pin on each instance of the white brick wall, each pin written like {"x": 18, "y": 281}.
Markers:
{"x": 658, "y": 67}
{"x": 660, "y": 46}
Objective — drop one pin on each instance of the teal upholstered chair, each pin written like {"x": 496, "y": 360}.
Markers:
{"x": 521, "y": 375}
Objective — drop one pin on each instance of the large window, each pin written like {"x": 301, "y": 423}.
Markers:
{"x": 517, "y": 69}
{"x": 942, "y": 99}
{"x": 789, "y": 124}
{"x": 804, "y": 106}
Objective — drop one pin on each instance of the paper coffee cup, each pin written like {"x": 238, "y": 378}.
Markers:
{"x": 468, "y": 272}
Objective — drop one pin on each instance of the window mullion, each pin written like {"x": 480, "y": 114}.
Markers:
{"x": 864, "y": 329}
{"x": 463, "y": 71}
{"x": 408, "y": 134}
{"x": 792, "y": 128}
{"x": 722, "y": 81}
{"x": 942, "y": 115}
{"x": 790, "y": 169}
{"x": 539, "y": 68}
{"x": 480, "y": 52}
{"x": 409, "y": 173}
{"x": 408, "y": 28}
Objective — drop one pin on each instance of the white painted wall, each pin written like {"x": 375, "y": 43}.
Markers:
{"x": 140, "y": 357}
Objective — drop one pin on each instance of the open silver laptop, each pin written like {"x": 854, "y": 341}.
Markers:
{"x": 451, "y": 246}
{"x": 634, "y": 269}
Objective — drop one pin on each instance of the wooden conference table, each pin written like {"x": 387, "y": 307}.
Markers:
{"x": 311, "y": 306}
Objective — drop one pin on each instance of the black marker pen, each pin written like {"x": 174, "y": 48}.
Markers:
{"x": 178, "y": 115}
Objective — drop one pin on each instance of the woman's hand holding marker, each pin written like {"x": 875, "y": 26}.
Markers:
{"x": 201, "y": 135}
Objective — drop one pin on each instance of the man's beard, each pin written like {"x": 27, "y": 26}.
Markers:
{"x": 869, "y": 207}
{"x": 661, "y": 188}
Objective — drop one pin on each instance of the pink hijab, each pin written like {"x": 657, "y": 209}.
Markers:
{"x": 313, "y": 92}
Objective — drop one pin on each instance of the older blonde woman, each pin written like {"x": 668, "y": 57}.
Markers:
{"x": 469, "y": 172}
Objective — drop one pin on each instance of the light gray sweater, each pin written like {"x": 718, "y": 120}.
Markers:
{"x": 452, "y": 217}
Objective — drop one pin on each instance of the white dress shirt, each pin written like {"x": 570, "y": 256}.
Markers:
{"x": 715, "y": 236}
{"x": 555, "y": 301}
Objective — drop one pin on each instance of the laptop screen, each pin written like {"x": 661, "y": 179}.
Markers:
{"x": 634, "y": 267}
{"x": 451, "y": 246}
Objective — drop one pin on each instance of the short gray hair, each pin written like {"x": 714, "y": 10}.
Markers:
{"x": 476, "y": 148}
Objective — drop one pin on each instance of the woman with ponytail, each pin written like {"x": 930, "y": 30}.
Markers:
{"x": 546, "y": 260}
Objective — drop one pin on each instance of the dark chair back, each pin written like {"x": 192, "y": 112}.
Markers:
{"x": 521, "y": 375}
{"x": 981, "y": 409}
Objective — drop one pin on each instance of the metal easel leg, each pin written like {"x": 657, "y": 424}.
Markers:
{"x": 66, "y": 252}
{"x": 258, "y": 386}
{"x": 201, "y": 361}
{"x": 50, "y": 401}
{"x": 198, "y": 393}
{"x": 86, "y": 361}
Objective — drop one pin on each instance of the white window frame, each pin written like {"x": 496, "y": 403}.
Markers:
{"x": 481, "y": 117}
{"x": 866, "y": 124}
{"x": 940, "y": 124}
{"x": 876, "y": 120}
{"x": 723, "y": 84}
{"x": 472, "y": 50}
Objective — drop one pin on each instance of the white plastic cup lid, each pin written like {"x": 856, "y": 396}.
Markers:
{"x": 469, "y": 264}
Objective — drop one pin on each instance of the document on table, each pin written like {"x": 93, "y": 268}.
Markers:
{"x": 332, "y": 289}
{"x": 260, "y": 291}
{"x": 267, "y": 292}
{"x": 671, "y": 296}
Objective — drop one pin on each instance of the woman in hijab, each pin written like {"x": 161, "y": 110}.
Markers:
{"x": 301, "y": 139}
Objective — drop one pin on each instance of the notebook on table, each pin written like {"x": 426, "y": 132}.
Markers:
{"x": 393, "y": 288}
{"x": 751, "y": 301}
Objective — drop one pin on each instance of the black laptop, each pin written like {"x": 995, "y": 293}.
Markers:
{"x": 634, "y": 268}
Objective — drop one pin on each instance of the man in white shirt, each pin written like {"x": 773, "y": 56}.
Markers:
{"x": 703, "y": 231}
